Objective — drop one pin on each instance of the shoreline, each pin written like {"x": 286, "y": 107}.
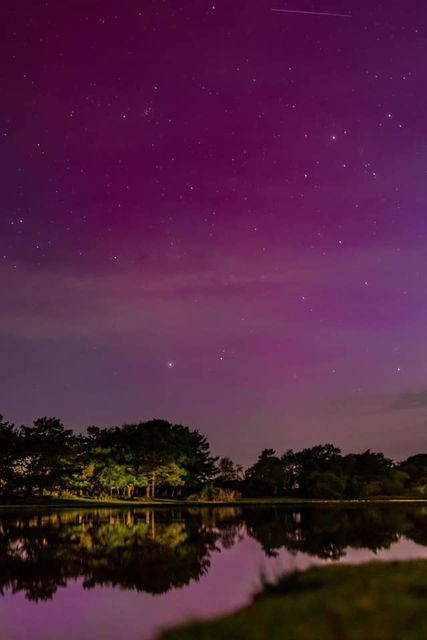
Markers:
{"x": 64, "y": 503}
{"x": 327, "y": 602}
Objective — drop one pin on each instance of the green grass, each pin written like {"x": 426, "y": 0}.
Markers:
{"x": 375, "y": 601}
{"x": 56, "y": 502}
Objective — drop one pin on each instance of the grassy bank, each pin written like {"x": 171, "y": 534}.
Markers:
{"x": 58, "y": 503}
{"x": 375, "y": 601}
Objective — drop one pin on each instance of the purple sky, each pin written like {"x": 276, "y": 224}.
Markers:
{"x": 216, "y": 213}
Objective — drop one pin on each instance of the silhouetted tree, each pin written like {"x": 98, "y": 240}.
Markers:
{"x": 415, "y": 468}
{"x": 309, "y": 464}
{"x": 48, "y": 449}
{"x": 10, "y": 451}
{"x": 267, "y": 476}
{"x": 229, "y": 475}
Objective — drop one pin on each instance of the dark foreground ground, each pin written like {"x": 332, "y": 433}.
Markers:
{"x": 374, "y": 601}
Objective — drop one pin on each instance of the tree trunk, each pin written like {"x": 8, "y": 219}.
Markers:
{"x": 153, "y": 485}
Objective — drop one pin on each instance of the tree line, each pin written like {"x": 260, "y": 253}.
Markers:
{"x": 323, "y": 472}
{"x": 158, "y": 459}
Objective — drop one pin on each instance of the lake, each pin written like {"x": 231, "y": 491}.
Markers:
{"x": 108, "y": 574}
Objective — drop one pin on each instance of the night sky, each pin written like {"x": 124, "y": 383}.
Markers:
{"x": 215, "y": 213}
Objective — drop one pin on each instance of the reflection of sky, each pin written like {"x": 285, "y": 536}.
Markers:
{"x": 107, "y": 613}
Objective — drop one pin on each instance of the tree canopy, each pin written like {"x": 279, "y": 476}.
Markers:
{"x": 159, "y": 459}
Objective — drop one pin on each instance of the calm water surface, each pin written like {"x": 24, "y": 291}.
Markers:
{"x": 84, "y": 575}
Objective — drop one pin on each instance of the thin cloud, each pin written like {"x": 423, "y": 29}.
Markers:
{"x": 381, "y": 402}
{"x": 410, "y": 400}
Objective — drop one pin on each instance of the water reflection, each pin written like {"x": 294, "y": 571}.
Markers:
{"x": 154, "y": 551}
{"x": 327, "y": 533}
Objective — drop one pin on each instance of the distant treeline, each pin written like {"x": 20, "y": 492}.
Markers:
{"x": 159, "y": 459}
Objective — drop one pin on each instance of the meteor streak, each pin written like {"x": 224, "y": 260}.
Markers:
{"x": 314, "y": 13}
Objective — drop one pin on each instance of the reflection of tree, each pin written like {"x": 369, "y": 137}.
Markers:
{"x": 229, "y": 523}
{"x": 328, "y": 532}
{"x": 417, "y": 526}
{"x": 146, "y": 551}
{"x": 154, "y": 551}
